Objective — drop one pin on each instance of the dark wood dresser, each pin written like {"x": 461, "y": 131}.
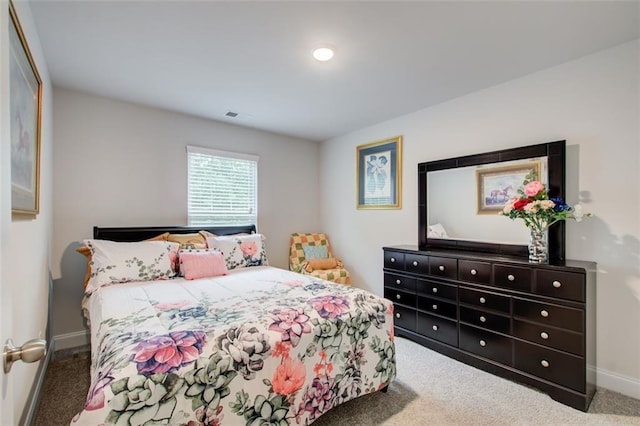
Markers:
{"x": 534, "y": 324}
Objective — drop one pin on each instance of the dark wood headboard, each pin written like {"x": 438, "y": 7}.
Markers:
{"x": 129, "y": 234}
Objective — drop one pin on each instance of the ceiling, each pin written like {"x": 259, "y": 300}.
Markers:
{"x": 206, "y": 58}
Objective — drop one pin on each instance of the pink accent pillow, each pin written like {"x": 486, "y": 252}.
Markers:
{"x": 202, "y": 264}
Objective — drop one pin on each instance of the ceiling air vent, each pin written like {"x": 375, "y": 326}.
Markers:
{"x": 231, "y": 114}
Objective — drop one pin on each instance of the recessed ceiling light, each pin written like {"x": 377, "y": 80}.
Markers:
{"x": 323, "y": 54}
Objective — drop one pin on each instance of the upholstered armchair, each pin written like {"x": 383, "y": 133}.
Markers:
{"x": 310, "y": 254}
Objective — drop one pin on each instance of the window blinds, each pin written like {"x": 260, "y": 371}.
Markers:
{"x": 222, "y": 187}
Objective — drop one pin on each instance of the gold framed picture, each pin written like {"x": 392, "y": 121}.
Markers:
{"x": 379, "y": 174}
{"x": 25, "y": 105}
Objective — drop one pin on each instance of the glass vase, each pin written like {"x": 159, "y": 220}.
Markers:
{"x": 538, "y": 246}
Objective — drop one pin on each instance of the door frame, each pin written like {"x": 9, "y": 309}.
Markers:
{"x": 7, "y": 415}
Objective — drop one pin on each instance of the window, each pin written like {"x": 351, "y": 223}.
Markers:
{"x": 222, "y": 187}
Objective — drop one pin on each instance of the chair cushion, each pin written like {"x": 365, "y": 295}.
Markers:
{"x": 328, "y": 263}
{"x": 315, "y": 252}
{"x": 338, "y": 275}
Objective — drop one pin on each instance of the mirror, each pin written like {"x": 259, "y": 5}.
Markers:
{"x": 460, "y": 199}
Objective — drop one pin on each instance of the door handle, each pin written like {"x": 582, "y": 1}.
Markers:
{"x": 32, "y": 351}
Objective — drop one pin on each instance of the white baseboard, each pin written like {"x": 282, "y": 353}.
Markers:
{"x": 71, "y": 340}
{"x": 33, "y": 400}
{"x": 625, "y": 385}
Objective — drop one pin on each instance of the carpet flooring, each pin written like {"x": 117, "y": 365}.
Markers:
{"x": 430, "y": 389}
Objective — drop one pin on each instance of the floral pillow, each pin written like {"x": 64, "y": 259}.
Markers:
{"x": 240, "y": 251}
{"x": 86, "y": 252}
{"x": 115, "y": 262}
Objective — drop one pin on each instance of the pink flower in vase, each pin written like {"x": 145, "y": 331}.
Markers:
{"x": 533, "y": 188}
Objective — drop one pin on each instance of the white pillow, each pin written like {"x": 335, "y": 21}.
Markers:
{"x": 240, "y": 251}
{"x": 115, "y": 262}
{"x": 437, "y": 231}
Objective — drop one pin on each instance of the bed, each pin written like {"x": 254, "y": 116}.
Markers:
{"x": 259, "y": 345}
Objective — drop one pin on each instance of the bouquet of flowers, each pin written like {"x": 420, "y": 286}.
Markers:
{"x": 537, "y": 210}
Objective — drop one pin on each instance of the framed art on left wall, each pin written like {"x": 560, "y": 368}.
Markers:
{"x": 25, "y": 105}
{"x": 379, "y": 174}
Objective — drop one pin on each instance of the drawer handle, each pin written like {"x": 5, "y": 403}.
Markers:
{"x": 474, "y": 272}
{"x": 435, "y": 307}
{"x": 483, "y": 300}
{"x": 441, "y": 267}
{"x": 544, "y": 363}
{"x": 511, "y": 277}
{"x": 415, "y": 263}
{"x": 435, "y": 289}
{"x": 435, "y": 328}
{"x": 557, "y": 284}
{"x": 392, "y": 260}
{"x": 544, "y": 313}
{"x": 398, "y": 315}
{"x": 483, "y": 318}
{"x": 398, "y": 282}
{"x": 483, "y": 343}
{"x": 544, "y": 335}
{"x": 398, "y": 296}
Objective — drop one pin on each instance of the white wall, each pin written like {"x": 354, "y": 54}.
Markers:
{"x": 120, "y": 164}
{"x": 593, "y": 103}
{"x": 29, "y": 239}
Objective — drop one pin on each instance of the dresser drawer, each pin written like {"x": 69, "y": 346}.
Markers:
{"x": 394, "y": 260}
{"x": 400, "y": 282}
{"x": 438, "y": 307}
{"x": 557, "y": 338}
{"x": 474, "y": 272}
{"x": 548, "y": 314}
{"x": 564, "y": 285}
{"x": 554, "y": 366}
{"x": 485, "y": 299}
{"x": 443, "y": 267}
{"x": 438, "y": 328}
{"x": 416, "y": 263}
{"x": 488, "y": 320}
{"x": 512, "y": 277}
{"x": 400, "y": 297}
{"x": 436, "y": 289}
{"x": 404, "y": 317}
{"x": 486, "y": 344}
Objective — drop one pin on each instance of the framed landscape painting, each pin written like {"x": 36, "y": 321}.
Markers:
{"x": 25, "y": 105}
{"x": 379, "y": 174}
{"x": 496, "y": 185}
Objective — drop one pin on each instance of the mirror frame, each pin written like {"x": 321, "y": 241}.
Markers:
{"x": 555, "y": 153}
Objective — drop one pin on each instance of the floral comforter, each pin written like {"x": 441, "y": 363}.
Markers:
{"x": 261, "y": 346}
